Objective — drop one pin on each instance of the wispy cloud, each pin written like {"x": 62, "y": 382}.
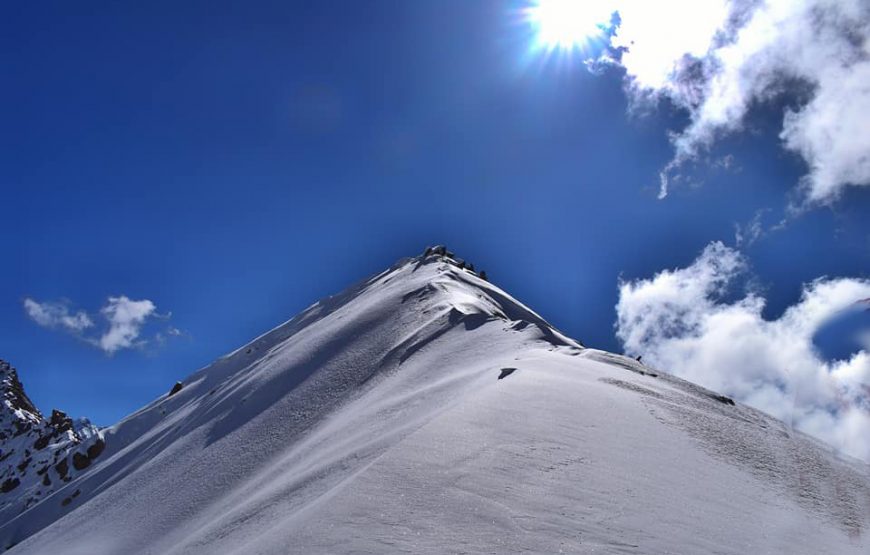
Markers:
{"x": 718, "y": 59}
{"x": 747, "y": 234}
{"x": 124, "y": 320}
{"x": 57, "y": 315}
{"x": 684, "y": 322}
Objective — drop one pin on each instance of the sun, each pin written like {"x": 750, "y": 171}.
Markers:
{"x": 567, "y": 24}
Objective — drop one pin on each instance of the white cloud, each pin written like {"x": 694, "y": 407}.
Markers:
{"x": 57, "y": 315}
{"x": 679, "y": 321}
{"x": 125, "y": 320}
{"x": 719, "y": 58}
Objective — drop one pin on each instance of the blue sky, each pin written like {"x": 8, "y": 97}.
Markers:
{"x": 232, "y": 163}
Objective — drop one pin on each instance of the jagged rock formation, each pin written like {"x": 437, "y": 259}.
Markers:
{"x": 35, "y": 452}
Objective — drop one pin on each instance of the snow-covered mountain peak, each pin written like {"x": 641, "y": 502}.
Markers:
{"x": 426, "y": 410}
{"x": 435, "y": 284}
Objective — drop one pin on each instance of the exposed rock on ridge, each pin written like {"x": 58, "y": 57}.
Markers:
{"x": 35, "y": 452}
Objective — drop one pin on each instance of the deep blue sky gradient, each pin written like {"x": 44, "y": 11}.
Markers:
{"x": 234, "y": 162}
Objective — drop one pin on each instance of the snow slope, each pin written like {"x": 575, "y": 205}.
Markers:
{"x": 376, "y": 421}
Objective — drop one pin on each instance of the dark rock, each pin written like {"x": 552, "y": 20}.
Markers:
{"x": 60, "y": 422}
{"x": 9, "y": 485}
{"x": 482, "y": 275}
{"x": 66, "y": 501}
{"x": 724, "y": 400}
{"x": 41, "y": 443}
{"x": 178, "y": 385}
{"x": 505, "y": 372}
{"x": 46, "y": 481}
{"x": 80, "y": 462}
{"x": 22, "y": 466}
{"x": 62, "y": 468}
{"x": 95, "y": 449}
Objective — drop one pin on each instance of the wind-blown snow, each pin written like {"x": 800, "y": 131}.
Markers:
{"x": 375, "y": 421}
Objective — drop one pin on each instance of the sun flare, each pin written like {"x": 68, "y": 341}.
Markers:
{"x": 567, "y": 24}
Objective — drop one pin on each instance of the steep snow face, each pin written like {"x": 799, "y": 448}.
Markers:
{"x": 425, "y": 410}
{"x": 37, "y": 456}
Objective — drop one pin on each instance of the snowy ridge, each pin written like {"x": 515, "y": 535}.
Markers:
{"x": 426, "y": 410}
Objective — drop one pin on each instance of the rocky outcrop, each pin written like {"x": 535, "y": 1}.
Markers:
{"x": 38, "y": 454}
{"x": 62, "y": 468}
{"x": 9, "y": 484}
{"x": 96, "y": 449}
{"x": 448, "y": 256}
{"x": 177, "y": 387}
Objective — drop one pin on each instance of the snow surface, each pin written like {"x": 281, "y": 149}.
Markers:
{"x": 375, "y": 422}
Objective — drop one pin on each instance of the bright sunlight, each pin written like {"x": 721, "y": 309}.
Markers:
{"x": 567, "y": 24}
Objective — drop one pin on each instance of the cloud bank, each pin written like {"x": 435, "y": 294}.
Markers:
{"x": 124, "y": 322}
{"x": 717, "y": 59}
{"x": 684, "y": 321}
